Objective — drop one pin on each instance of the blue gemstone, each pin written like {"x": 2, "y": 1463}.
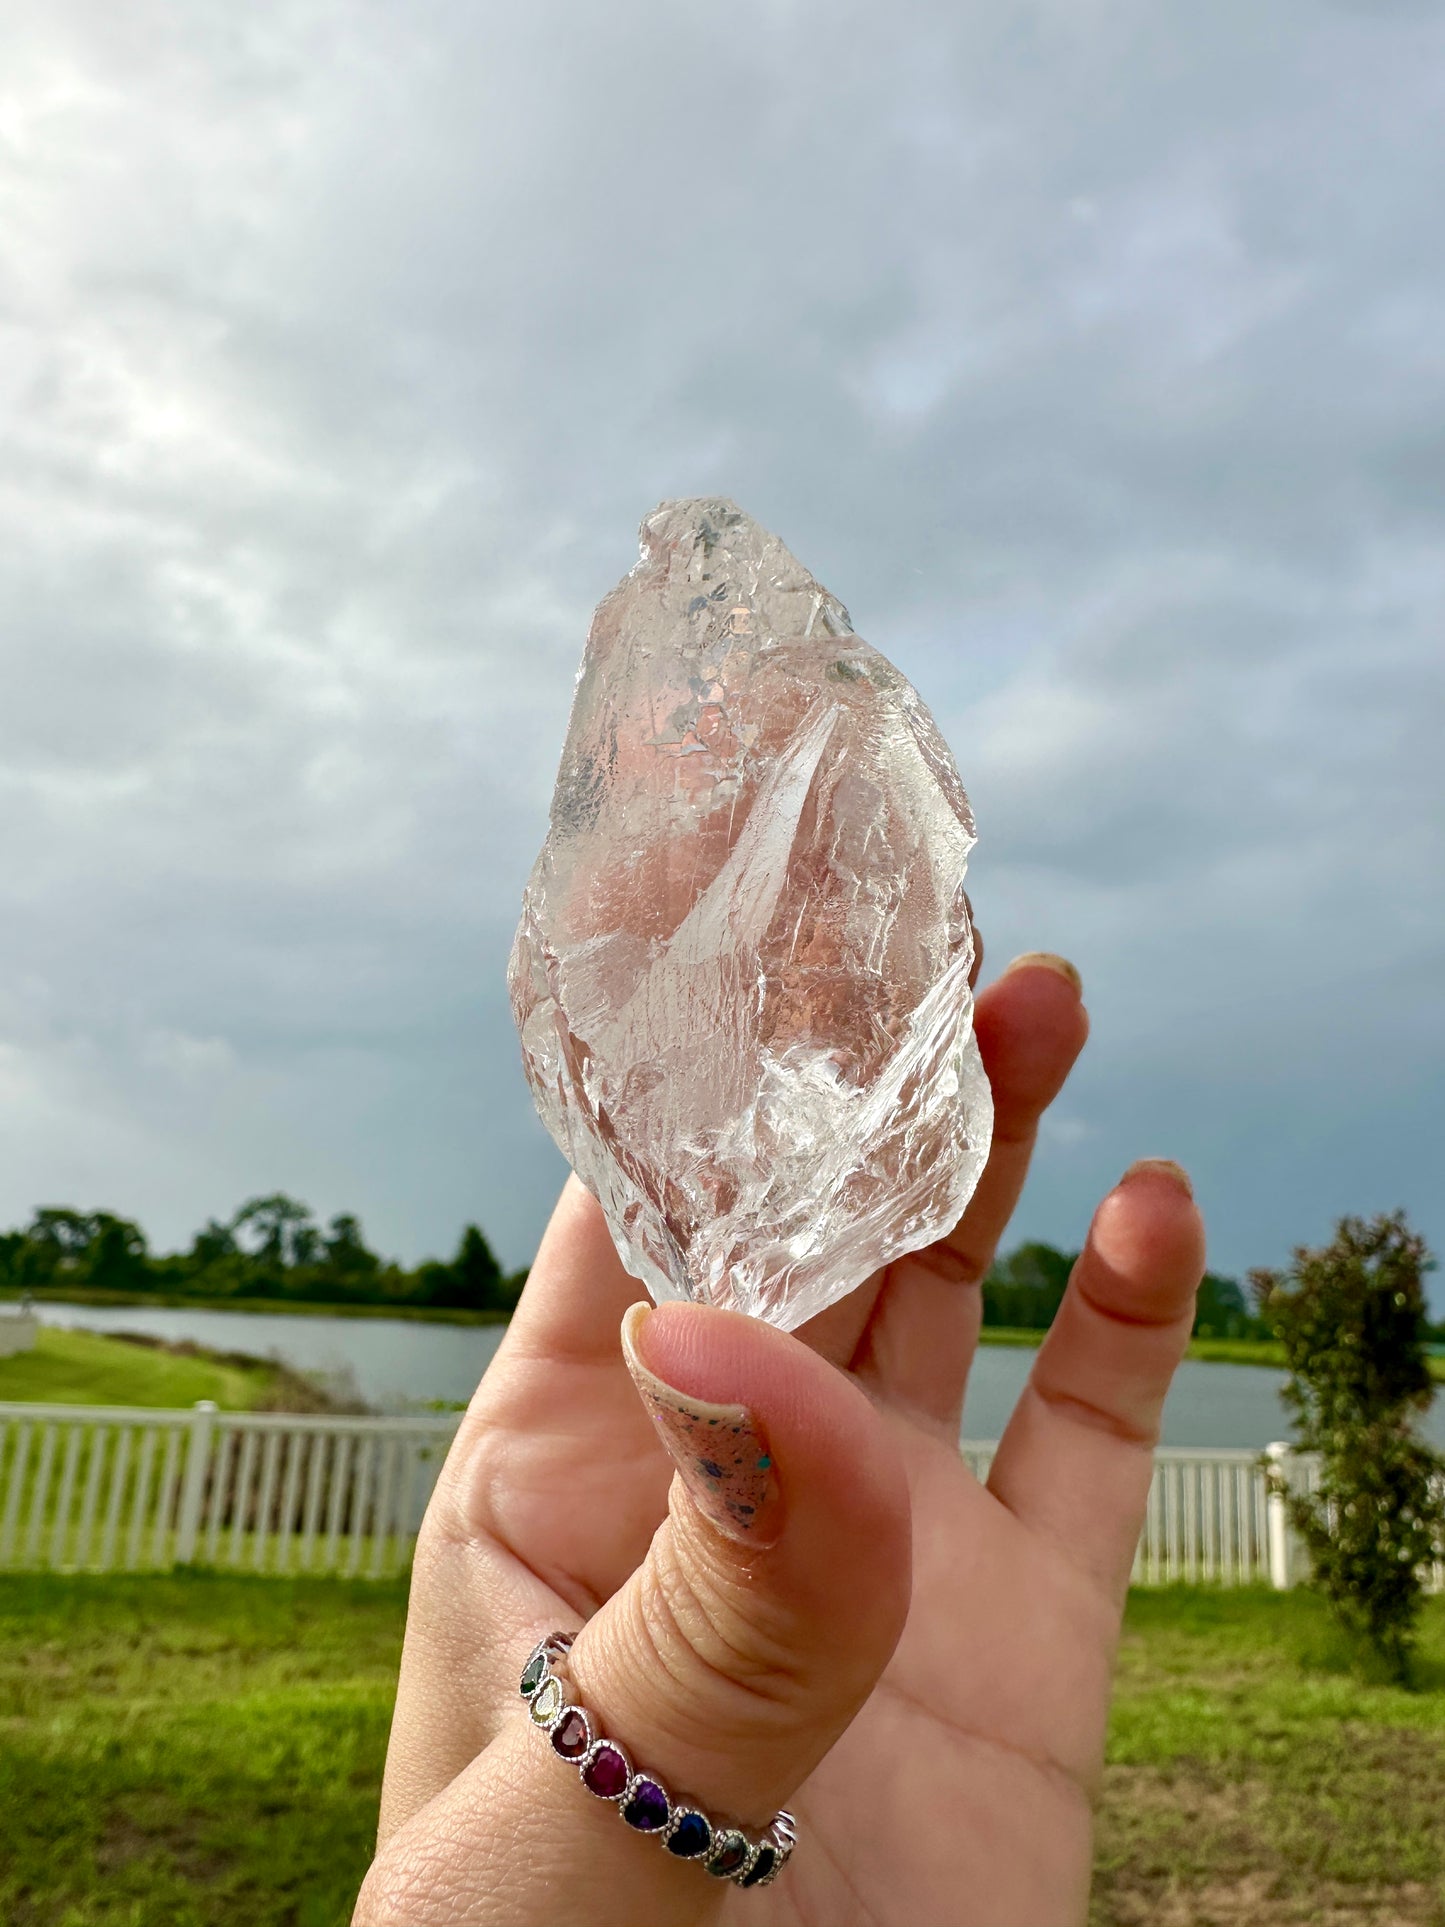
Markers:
{"x": 691, "y": 1836}
{"x": 647, "y": 1809}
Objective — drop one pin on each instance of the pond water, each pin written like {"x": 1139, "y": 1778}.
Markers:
{"x": 398, "y": 1363}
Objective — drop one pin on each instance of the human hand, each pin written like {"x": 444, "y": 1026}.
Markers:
{"x": 932, "y": 1712}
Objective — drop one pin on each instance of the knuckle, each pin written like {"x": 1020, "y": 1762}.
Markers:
{"x": 717, "y": 1640}
{"x": 405, "y": 1889}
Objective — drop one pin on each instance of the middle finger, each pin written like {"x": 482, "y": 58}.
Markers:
{"x": 918, "y": 1344}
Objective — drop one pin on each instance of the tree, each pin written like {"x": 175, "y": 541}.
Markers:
{"x": 1220, "y": 1310}
{"x": 92, "y": 1248}
{"x": 59, "y": 1239}
{"x": 278, "y": 1231}
{"x": 116, "y": 1257}
{"x": 477, "y": 1270}
{"x": 345, "y": 1251}
{"x": 473, "y": 1280}
{"x": 1352, "y": 1319}
{"x": 1026, "y": 1288}
{"x": 13, "y": 1246}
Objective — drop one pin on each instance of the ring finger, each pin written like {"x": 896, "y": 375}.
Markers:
{"x": 918, "y": 1343}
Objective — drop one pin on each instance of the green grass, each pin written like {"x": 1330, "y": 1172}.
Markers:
{"x": 1224, "y": 1351}
{"x": 190, "y": 1750}
{"x": 86, "y": 1368}
{"x": 204, "y": 1751}
{"x": 1212, "y": 1351}
{"x": 1238, "y": 1351}
{"x": 1255, "y": 1776}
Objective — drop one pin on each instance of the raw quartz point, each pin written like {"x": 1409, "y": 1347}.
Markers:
{"x": 741, "y": 974}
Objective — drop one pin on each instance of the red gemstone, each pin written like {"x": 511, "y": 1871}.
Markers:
{"x": 606, "y": 1772}
{"x": 570, "y": 1736}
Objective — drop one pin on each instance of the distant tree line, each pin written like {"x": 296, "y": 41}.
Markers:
{"x": 1025, "y": 1288}
{"x": 272, "y": 1248}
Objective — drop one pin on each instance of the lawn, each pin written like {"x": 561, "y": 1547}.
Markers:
{"x": 1254, "y": 1778}
{"x": 204, "y": 1751}
{"x": 190, "y": 1750}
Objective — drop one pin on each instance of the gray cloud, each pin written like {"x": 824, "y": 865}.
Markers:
{"x": 1091, "y": 354}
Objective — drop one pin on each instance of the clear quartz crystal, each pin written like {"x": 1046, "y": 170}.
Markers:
{"x": 741, "y": 973}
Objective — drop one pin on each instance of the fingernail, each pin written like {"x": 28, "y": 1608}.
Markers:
{"x": 1160, "y": 1168}
{"x": 1046, "y": 960}
{"x": 719, "y": 1450}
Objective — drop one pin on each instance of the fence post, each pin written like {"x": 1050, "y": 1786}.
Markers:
{"x": 1277, "y": 1514}
{"x": 193, "y": 1491}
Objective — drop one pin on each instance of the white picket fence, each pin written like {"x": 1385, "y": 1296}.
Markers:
{"x": 87, "y": 1488}
{"x": 122, "y": 1489}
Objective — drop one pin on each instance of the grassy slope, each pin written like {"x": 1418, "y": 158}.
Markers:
{"x": 205, "y": 1751}
{"x": 86, "y": 1368}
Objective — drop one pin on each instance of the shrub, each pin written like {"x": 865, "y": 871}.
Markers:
{"x": 1352, "y": 1319}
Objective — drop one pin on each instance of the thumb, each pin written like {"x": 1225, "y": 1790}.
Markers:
{"x": 772, "y": 1596}
{"x": 768, "y": 1604}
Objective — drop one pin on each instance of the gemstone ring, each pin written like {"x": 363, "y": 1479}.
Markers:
{"x": 727, "y": 1853}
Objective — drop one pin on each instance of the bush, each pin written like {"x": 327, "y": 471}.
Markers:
{"x": 1352, "y": 1319}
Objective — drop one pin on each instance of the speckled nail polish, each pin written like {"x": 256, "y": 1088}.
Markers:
{"x": 719, "y": 1450}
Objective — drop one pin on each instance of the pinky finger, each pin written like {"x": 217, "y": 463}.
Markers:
{"x": 1076, "y": 1457}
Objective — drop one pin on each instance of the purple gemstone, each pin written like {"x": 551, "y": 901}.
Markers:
{"x": 647, "y": 1809}
{"x": 606, "y": 1772}
{"x": 570, "y": 1737}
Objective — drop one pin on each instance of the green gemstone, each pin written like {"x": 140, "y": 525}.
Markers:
{"x": 534, "y": 1675}
{"x": 730, "y": 1852}
{"x": 548, "y": 1703}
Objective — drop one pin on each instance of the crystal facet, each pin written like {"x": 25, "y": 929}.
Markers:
{"x": 741, "y": 974}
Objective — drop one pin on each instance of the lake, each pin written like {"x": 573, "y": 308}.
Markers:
{"x": 397, "y": 1363}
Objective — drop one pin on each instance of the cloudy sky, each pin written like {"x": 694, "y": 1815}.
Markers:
{"x": 1095, "y": 355}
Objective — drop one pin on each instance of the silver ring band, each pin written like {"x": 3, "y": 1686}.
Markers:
{"x": 727, "y": 1853}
